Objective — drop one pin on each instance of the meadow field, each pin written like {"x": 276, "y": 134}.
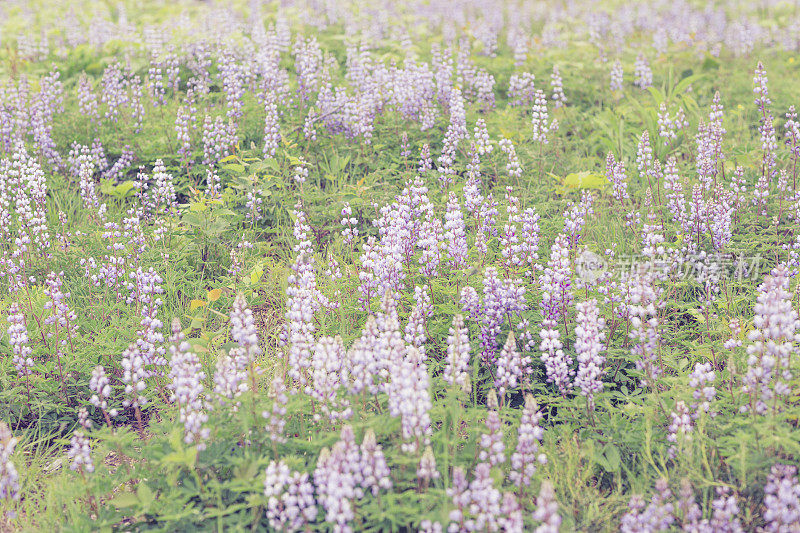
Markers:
{"x": 430, "y": 265}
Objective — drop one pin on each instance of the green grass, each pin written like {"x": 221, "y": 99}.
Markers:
{"x": 149, "y": 479}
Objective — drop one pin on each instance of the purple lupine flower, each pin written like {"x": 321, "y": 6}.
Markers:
{"x": 556, "y": 362}
{"x": 709, "y": 152}
{"x": 122, "y": 164}
{"x": 657, "y": 516}
{"x": 484, "y": 507}
{"x": 615, "y": 173}
{"x": 673, "y": 190}
{"x": 272, "y": 134}
{"x": 245, "y": 333}
{"x": 644, "y": 156}
{"x": 425, "y": 162}
{"x": 472, "y": 187}
{"x": 668, "y": 127}
{"x": 702, "y": 381}
{"x": 529, "y": 238}
{"x": 483, "y": 144}
{"x": 521, "y": 89}
{"x": 25, "y": 177}
{"x": 410, "y": 399}
{"x": 308, "y": 65}
{"x": 80, "y": 453}
{"x": 290, "y": 506}
{"x": 457, "y": 129}
{"x": 575, "y": 218}
{"x": 555, "y": 281}
{"x": 680, "y": 429}
{"x": 133, "y": 376}
{"x": 155, "y": 81}
{"x": 143, "y": 287}
{"x": 520, "y": 44}
{"x": 526, "y": 456}
{"x": 362, "y": 366}
{"x": 616, "y": 76}
{"x": 501, "y": 299}
{"x": 539, "y": 118}
{"x": 253, "y": 204}
{"x": 137, "y": 108}
{"x": 83, "y": 418}
{"x": 405, "y": 147}
{"x": 725, "y": 508}
{"x": 374, "y": 470}
{"x": 458, "y": 348}
{"x": 511, "y": 519}
{"x": 219, "y": 139}
{"x": 162, "y": 194}
{"x": 237, "y": 257}
{"x": 303, "y": 300}
{"x": 390, "y": 347}
{"x": 276, "y": 423}
{"x": 454, "y": 234}
{"x": 430, "y": 239}
{"x": 491, "y": 443}
{"x": 61, "y": 316}
{"x": 512, "y": 249}
{"x": 589, "y": 343}
{"x": 773, "y": 343}
{"x": 9, "y": 478}
{"x": 558, "y": 97}
{"x": 229, "y": 380}
{"x": 87, "y": 100}
{"x": 300, "y": 172}
{"x": 512, "y": 166}
{"x": 512, "y": 367}
{"x": 782, "y": 499}
{"x": 642, "y": 75}
{"x": 769, "y": 143}
{"x": 415, "y": 328}
{"x": 445, "y": 161}
{"x": 336, "y": 486}
{"x": 232, "y": 77}
{"x": 723, "y": 519}
{"x": 182, "y": 121}
{"x": 642, "y": 299}
{"x": 426, "y": 470}
{"x": 328, "y": 377}
{"x": 691, "y": 511}
{"x": 349, "y": 223}
{"x": 18, "y": 339}
{"x": 187, "y": 378}
{"x": 88, "y": 190}
{"x": 547, "y": 510}
{"x": 101, "y": 387}
{"x": 114, "y": 93}
{"x": 792, "y": 129}
{"x": 459, "y": 493}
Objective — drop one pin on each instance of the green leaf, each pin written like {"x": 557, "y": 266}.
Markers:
{"x": 255, "y": 274}
{"x": 234, "y": 167}
{"x": 686, "y": 82}
{"x": 145, "y": 494}
{"x": 126, "y": 499}
{"x": 612, "y": 458}
{"x": 584, "y": 180}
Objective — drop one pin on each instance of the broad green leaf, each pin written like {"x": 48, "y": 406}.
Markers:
{"x": 584, "y": 180}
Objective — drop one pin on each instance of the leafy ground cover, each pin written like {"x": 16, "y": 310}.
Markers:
{"x": 430, "y": 266}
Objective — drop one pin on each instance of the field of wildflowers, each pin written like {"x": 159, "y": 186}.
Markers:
{"x": 430, "y": 265}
